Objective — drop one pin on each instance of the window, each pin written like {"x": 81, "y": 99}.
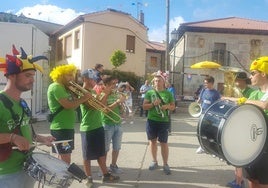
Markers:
{"x": 220, "y": 55}
{"x": 77, "y": 39}
{"x": 153, "y": 61}
{"x": 130, "y": 44}
{"x": 255, "y": 48}
{"x": 60, "y": 49}
{"x": 68, "y": 46}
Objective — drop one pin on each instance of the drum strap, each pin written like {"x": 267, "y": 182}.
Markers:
{"x": 6, "y": 149}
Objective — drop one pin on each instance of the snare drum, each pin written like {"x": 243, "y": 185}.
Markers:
{"x": 237, "y": 134}
{"x": 48, "y": 170}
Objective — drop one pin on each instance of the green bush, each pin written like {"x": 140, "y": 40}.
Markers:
{"x": 123, "y": 76}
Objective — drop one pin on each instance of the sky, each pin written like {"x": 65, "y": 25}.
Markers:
{"x": 155, "y": 11}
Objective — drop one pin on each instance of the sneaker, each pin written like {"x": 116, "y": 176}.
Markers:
{"x": 166, "y": 169}
{"x": 114, "y": 169}
{"x": 153, "y": 165}
{"x": 100, "y": 172}
{"x": 200, "y": 150}
{"x": 89, "y": 182}
{"x": 233, "y": 184}
{"x": 109, "y": 178}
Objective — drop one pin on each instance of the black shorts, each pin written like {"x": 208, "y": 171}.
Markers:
{"x": 93, "y": 144}
{"x": 63, "y": 134}
{"x": 258, "y": 170}
{"x": 155, "y": 129}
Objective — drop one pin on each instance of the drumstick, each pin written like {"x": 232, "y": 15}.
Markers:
{"x": 60, "y": 141}
{"x": 41, "y": 144}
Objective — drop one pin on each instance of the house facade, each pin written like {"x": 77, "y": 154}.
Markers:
{"x": 232, "y": 42}
{"x": 155, "y": 57}
{"x": 34, "y": 42}
{"x": 92, "y": 38}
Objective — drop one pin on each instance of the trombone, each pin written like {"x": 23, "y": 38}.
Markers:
{"x": 158, "y": 108}
{"x": 93, "y": 102}
{"x": 123, "y": 104}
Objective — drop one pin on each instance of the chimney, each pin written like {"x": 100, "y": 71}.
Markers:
{"x": 141, "y": 17}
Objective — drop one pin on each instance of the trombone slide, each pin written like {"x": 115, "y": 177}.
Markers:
{"x": 93, "y": 102}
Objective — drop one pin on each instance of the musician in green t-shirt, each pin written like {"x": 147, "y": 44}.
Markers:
{"x": 92, "y": 131}
{"x": 16, "y": 133}
{"x": 112, "y": 122}
{"x": 58, "y": 95}
{"x": 159, "y": 102}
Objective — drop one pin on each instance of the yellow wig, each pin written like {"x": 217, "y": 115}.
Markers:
{"x": 60, "y": 70}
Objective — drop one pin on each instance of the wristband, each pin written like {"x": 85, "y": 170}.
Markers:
{"x": 11, "y": 137}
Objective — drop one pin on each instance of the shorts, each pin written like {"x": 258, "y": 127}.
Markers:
{"x": 258, "y": 170}
{"x": 63, "y": 134}
{"x": 113, "y": 133}
{"x": 159, "y": 130}
{"x": 93, "y": 144}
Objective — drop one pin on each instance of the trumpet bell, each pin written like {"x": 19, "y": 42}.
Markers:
{"x": 195, "y": 109}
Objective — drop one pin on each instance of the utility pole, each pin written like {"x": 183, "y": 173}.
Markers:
{"x": 167, "y": 60}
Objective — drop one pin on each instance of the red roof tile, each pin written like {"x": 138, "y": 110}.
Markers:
{"x": 152, "y": 45}
{"x": 231, "y": 23}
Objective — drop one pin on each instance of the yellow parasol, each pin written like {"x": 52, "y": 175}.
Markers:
{"x": 206, "y": 65}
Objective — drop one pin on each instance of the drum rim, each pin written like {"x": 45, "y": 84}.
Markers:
{"x": 201, "y": 120}
{"x": 264, "y": 147}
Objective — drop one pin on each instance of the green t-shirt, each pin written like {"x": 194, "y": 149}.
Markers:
{"x": 7, "y": 125}
{"x": 247, "y": 91}
{"x": 152, "y": 112}
{"x": 107, "y": 121}
{"x": 65, "y": 119}
{"x": 91, "y": 118}
{"x": 258, "y": 95}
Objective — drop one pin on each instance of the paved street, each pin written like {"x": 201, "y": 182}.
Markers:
{"x": 189, "y": 170}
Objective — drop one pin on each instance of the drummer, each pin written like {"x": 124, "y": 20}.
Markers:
{"x": 15, "y": 128}
{"x": 257, "y": 173}
{"x": 242, "y": 82}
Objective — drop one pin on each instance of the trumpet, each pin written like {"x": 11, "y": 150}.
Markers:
{"x": 93, "y": 102}
{"x": 158, "y": 108}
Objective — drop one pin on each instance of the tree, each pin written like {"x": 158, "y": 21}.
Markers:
{"x": 118, "y": 58}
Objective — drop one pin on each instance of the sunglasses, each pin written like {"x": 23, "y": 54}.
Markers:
{"x": 254, "y": 73}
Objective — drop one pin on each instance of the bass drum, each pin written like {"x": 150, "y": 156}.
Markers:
{"x": 237, "y": 134}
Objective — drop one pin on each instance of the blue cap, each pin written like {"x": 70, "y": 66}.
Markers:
{"x": 90, "y": 73}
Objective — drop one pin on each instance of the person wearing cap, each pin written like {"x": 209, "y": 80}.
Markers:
{"x": 59, "y": 96}
{"x": 16, "y": 130}
{"x": 242, "y": 82}
{"x": 158, "y": 102}
{"x": 92, "y": 133}
{"x": 99, "y": 68}
{"x": 257, "y": 173}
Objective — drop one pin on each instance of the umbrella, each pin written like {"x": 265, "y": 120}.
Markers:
{"x": 205, "y": 65}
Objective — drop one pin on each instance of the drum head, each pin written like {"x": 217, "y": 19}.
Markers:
{"x": 51, "y": 164}
{"x": 244, "y": 135}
